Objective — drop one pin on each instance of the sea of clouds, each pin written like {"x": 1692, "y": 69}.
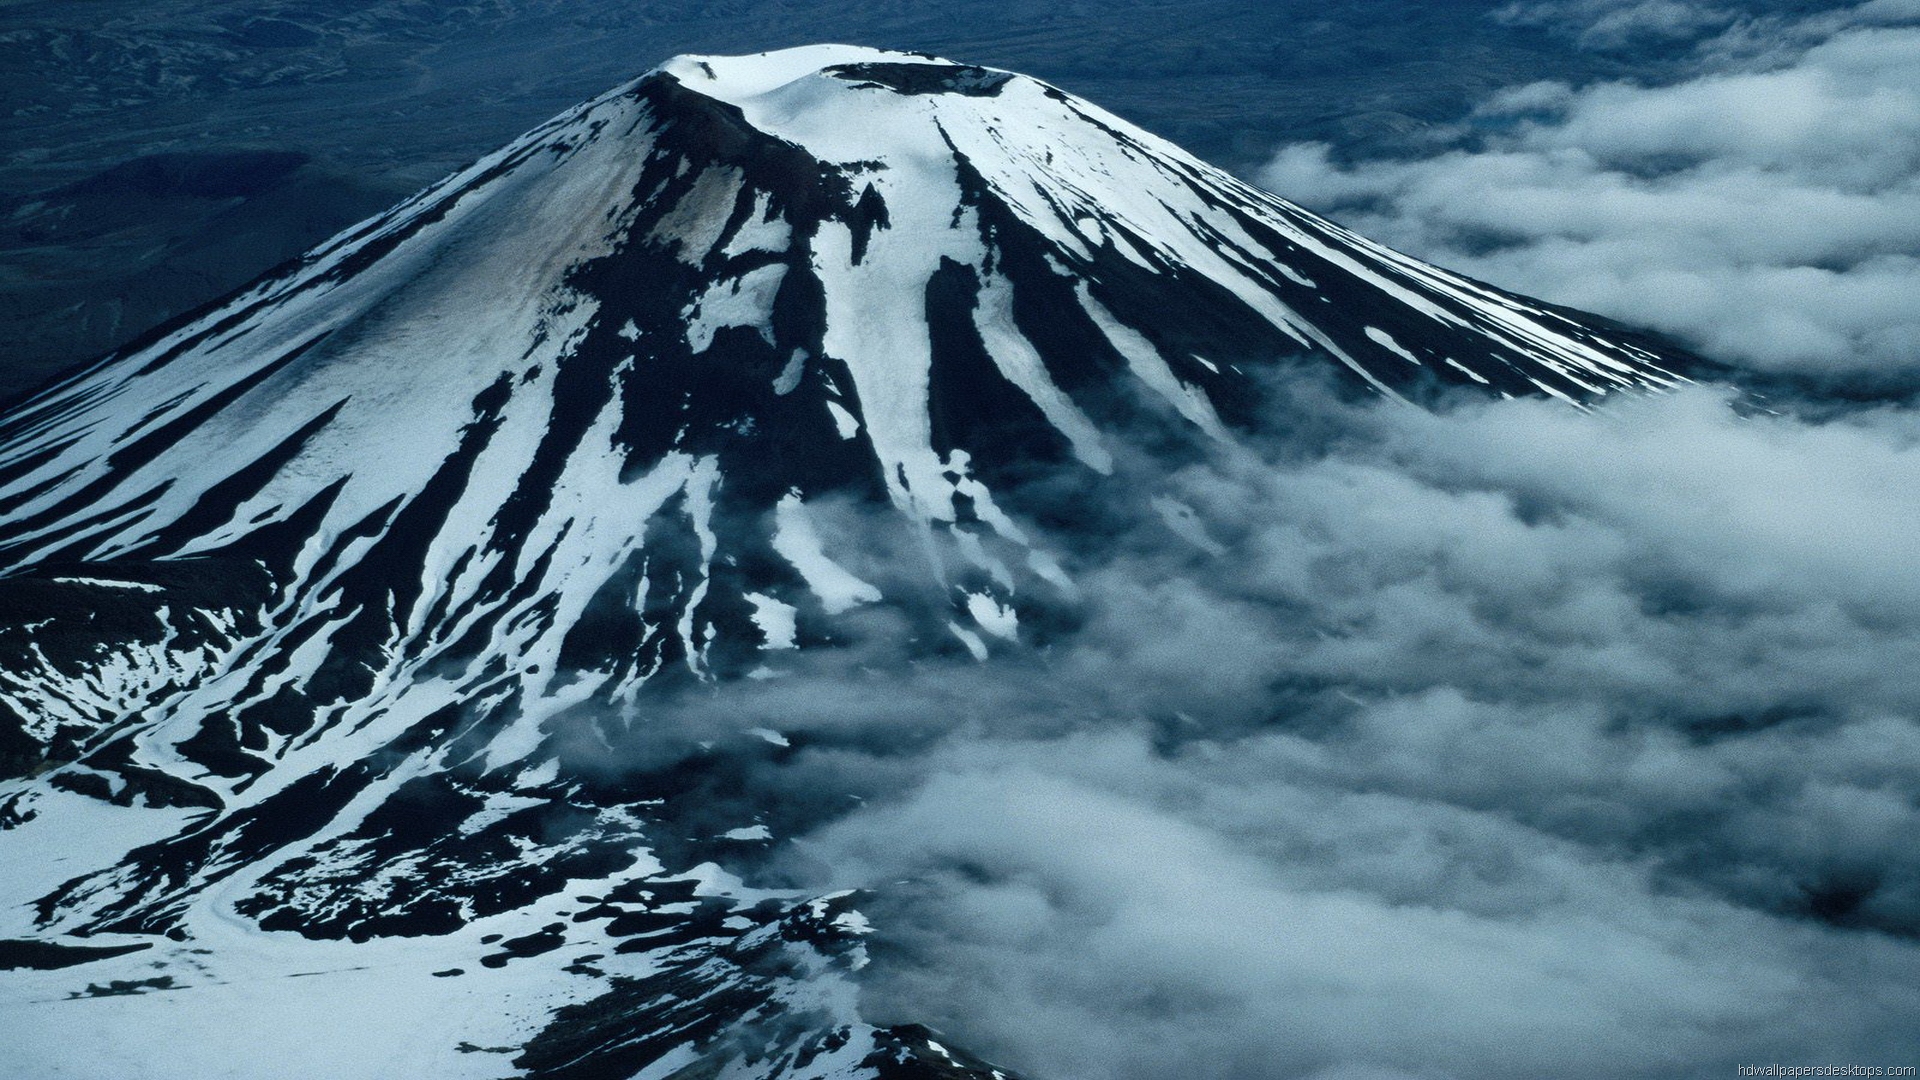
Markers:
{"x": 1765, "y": 211}
{"x": 1499, "y": 741}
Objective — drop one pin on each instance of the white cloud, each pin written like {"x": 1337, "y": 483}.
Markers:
{"x": 1092, "y": 908}
{"x": 1612, "y": 24}
{"x": 1507, "y": 741}
{"x": 1767, "y": 212}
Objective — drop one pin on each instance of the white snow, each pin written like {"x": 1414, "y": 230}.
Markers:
{"x": 1020, "y": 362}
{"x": 248, "y": 1005}
{"x": 137, "y": 586}
{"x": 1050, "y": 571}
{"x": 971, "y": 640}
{"x": 776, "y": 619}
{"x": 796, "y": 541}
{"x": 991, "y": 616}
{"x": 853, "y": 922}
{"x": 1152, "y": 369}
{"x": 692, "y": 228}
{"x": 743, "y": 301}
{"x": 1385, "y": 340}
{"x": 762, "y": 231}
{"x": 1469, "y": 372}
{"x": 789, "y": 378}
{"x": 843, "y": 421}
{"x": 732, "y": 78}
{"x": 70, "y": 835}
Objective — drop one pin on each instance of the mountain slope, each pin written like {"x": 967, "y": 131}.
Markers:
{"x": 314, "y": 597}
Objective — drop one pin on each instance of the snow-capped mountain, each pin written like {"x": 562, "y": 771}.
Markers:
{"x": 311, "y": 599}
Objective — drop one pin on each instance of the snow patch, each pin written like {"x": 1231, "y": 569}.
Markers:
{"x": 1000, "y": 621}
{"x": 789, "y": 378}
{"x": 796, "y": 541}
{"x": 843, "y": 421}
{"x": 1385, "y": 340}
{"x": 743, "y": 301}
{"x": 778, "y": 621}
{"x": 137, "y": 586}
{"x": 971, "y": 640}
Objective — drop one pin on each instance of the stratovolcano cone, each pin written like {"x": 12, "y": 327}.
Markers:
{"x": 305, "y": 590}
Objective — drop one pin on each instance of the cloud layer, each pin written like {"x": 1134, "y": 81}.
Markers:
{"x": 1766, "y": 211}
{"x": 1504, "y": 741}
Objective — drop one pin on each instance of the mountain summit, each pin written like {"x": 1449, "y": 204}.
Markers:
{"x": 310, "y": 596}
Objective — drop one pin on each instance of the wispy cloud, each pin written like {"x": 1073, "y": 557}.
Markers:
{"x": 1504, "y": 741}
{"x": 1613, "y": 24}
{"x": 1766, "y": 211}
